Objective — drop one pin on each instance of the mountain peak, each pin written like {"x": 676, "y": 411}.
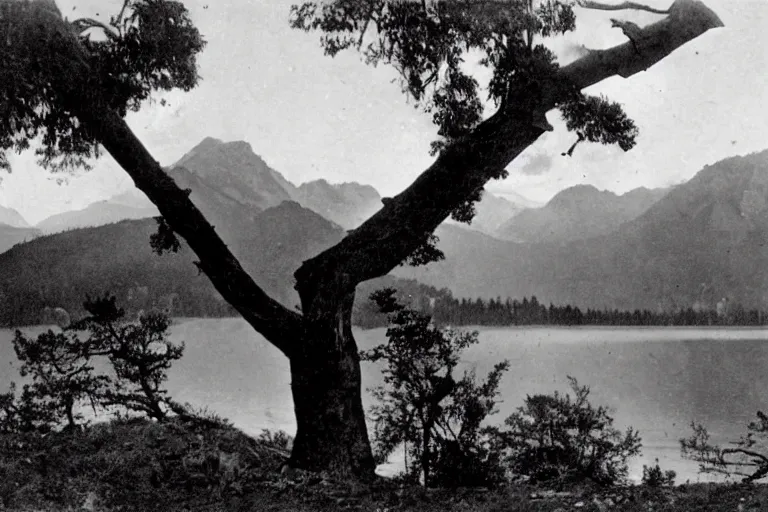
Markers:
{"x": 239, "y": 146}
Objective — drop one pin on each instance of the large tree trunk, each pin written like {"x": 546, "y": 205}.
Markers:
{"x": 326, "y": 384}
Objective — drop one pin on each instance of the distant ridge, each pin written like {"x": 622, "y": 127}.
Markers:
{"x": 578, "y": 212}
{"x": 705, "y": 240}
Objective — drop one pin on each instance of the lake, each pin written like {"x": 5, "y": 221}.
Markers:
{"x": 657, "y": 380}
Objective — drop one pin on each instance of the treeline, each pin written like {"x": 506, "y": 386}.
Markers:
{"x": 445, "y": 309}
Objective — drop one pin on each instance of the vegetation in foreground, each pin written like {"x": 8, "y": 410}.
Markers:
{"x": 204, "y": 464}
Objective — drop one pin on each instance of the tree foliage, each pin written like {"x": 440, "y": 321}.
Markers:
{"x": 140, "y": 353}
{"x": 654, "y": 476}
{"x": 150, "y": 45}
{"x": 746, "y": 458}
{"x": 26, "y": 412}
{"x": 61, "y": 366}
{"x": 565, "y": 438}
{"x": 436, "y": 46}
{"x": 422, "y": 407}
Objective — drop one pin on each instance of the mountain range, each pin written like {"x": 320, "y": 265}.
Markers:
{"x": 705, "y": 240}
{"x": 578, "y": 212}
{"x": 688, "y": 246}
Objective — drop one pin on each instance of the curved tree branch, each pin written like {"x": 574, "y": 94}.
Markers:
{"x": 389, "y": 236}
{"x": 68, "y": 62}
{"x": 587, "y": 4}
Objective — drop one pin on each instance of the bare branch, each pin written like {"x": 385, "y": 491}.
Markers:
{"x": 587, "y": 4}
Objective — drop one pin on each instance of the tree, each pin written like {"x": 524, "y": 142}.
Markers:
{"x": 746, "y": 458}
{"x": 60, "y": 364}
{"x": 61, "y": 371}
{"x": 140, "y": 354}
{"x": 654, "y": 476}
{"x": 556, "y": 437}
{"x": 73, "y": 91}
{"x": 421, "y": 405}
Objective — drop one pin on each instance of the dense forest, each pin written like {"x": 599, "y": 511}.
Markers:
{"x": 445, "y": 309}
{"x": 59, "y": 271}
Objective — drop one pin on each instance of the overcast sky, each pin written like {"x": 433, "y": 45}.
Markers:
{"x": 310, "y": 116}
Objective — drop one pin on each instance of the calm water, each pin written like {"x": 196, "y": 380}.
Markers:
{"x": 657, "y": 380}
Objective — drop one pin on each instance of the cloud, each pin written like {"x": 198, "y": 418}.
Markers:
{"x": 536, "y": 165}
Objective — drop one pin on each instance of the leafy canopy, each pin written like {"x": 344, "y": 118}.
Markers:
{"x": 435, "y": 44}
{"x": 150, "y": 45}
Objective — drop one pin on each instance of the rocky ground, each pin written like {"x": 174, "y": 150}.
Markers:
{"x": 208, "y": 466}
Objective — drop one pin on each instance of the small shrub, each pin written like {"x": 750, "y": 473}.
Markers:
{"x": 278, "y": 439}
{"x": 423, "y": 407}
{"x": 563, "y": 438}
{"x": 654, "y": 476}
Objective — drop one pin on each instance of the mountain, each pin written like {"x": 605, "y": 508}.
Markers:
{"x": 59, "y": 270}
{"x": 493, "y": 211}
{"x": 516, "y": 198}
{"x": 10, "y": 217}
{"x": 578, "y": 212}
{"x": 346, "y": 204}
{"x": 11, "y": 235}
{"x": 703, "y": 241}
{"x": 96, "y": 214}
{"x": 235, "y": 171}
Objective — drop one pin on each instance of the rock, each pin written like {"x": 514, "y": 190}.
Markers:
{"x": 579, "y": 504}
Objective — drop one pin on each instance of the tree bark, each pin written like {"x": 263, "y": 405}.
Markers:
{"x": 322, "y": 351}
{"x": 326, "y": 385}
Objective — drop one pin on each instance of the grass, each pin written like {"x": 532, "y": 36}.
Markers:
{"x": 186, "y": 465}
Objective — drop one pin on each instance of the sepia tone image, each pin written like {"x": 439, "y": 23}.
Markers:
{"x": 383, "y": 255}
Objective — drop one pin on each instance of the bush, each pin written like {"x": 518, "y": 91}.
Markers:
{"x": 654, "y": 476}
{"x": 423, "y": 407}
{"x": 560, "y": 438}
{"x": 277, "y": 439}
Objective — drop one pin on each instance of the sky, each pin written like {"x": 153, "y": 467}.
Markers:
{"x": 310, "y": 116}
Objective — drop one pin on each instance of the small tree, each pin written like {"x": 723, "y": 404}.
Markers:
{"x": 140, "y": 353}
{"x": 654, "y": 476}
{"x": 422, "y": 407}
{"x": 61, "y": 371}
{"x": 559, "y": 437}
{"x": 746, "y": 458}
